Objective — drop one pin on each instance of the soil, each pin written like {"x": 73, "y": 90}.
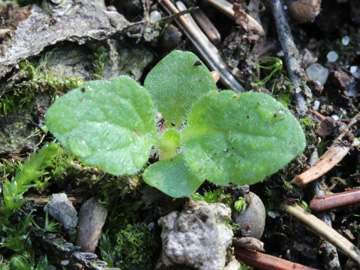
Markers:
{"x": 32, "y": 82}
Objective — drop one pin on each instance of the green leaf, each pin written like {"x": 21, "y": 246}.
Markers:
{"x": 176, "y": 82}
{"x": 173, "y": 177}
{"x": 240, "y": 138}
{"x": 169, "y": 143}
{"x": 106, "y": 124}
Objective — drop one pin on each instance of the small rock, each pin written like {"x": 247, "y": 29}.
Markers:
{"x": 317, "y": 72}
{"x": 155, "y": 16}
{"x": 197, "y": 238}
{"x": 252, "y": 219}
{"x": 171, "y": 38}
{"x": 332, "y": 56}
{"x": 345, "y": 40}
{"x": 355, "y": 71}
{"x": 61, "y": 208}
{"x": 92, "y": 216}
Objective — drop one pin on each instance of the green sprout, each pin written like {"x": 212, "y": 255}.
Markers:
{"x": 229, "y": 137}
{"x": 240, "y": 204}
{"x": 276, "y": 67}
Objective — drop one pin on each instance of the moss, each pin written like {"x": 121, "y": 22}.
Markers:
{"x": 32, "y": 79}
{"x": 128, "y": 242}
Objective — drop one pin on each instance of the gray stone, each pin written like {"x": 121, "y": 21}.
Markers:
{"x": 196, "y": 238}
{"x": 317, "y": 73}
{"x": 252, "y": 219}
{"x": 61, "y": 208}
{"x": 92, "y": 216}
{"x": 76, "y": 21}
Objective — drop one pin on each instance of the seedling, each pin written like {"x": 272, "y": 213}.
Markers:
{"x": 229, "y": 137}
{"x": 276, "y": 68}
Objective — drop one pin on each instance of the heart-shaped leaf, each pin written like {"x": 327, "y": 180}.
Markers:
{"x": 106, "y": 124}
{"x": 240, "y": 138}
{"x": 176, "y": 82}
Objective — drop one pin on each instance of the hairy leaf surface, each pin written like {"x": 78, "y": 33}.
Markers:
{"x": 240, "y": 138}
{"x": 173, "y": 177}
{"x": 176, "y": 82}
{"x": 106, "y": 124}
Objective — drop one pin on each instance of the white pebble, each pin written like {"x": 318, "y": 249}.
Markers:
{"x": 345, "y": 40}
{"x": 155, "y": 16}
{"x": 317, "y": 72}
{"x": 335, "y": 117}
{"x": 316, "y": 105}
{"x": 332, "y": 56}
{"x": 355, "y": 71}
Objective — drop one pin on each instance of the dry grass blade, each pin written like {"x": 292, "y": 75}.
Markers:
{"x": 324, "y": 231}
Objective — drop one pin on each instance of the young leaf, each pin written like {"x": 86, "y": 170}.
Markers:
{"x": 176, "y": 82}
{"x": 173, "y": 177}
{"x": 169, "y": 143}
{"x": 106, "y": 124}
{"x": 240, "y": 138}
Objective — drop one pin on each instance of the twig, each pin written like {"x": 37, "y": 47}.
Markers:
{"x": 207, "y": 26}
{"x": 208, "y": 51}
{"x": 41, "y": 201}
{"x": 227, "y": 8}
{"x": 332, "y": 201}
{"x": 265, "y": 261}
{"x": 328, "y": 251}
{"x": 291, "y": 54}
{"x": 324, "y": 231}
{"x": 337, "y": 151}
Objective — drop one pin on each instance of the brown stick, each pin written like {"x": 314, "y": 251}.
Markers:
{"x": 332, "y": 201}
{"x": 227, "y": 8}
{"x": 265, "y": 261}
{"x": 324, "y": 231}
{"x": 337, "y": 151}
{"x": 291, "y": 54}
{"x": 41, "y": 201}
{"x": 328, "y": 251}
{"x": 207, "y": 26}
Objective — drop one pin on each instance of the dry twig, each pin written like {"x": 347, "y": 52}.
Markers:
{"x": 328, "y": 251}
{"x": 227, "y": 8}
{"x": 324, "y": 231}
{"x": 337, "y": 151}
{"x": 332, "y": 201}
{"x": 265, "y": 261}
{"x": 207, "y": 26}
{"x": 291, "y": 54}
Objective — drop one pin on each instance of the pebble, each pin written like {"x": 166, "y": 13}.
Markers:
{"x": 252, "y": 219}
{"x": 316, "y": 105}
{"x": 155, "y": 16}
{"x": 317, "y": 73}
{"x": 355, "y": 71}
{"x": 197, "y": 237}
{"x": 61, "y": 208}
{"x": 92, "y": 217}
{"x": 345, "y": 40}
{"x": 332, "y": 56}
